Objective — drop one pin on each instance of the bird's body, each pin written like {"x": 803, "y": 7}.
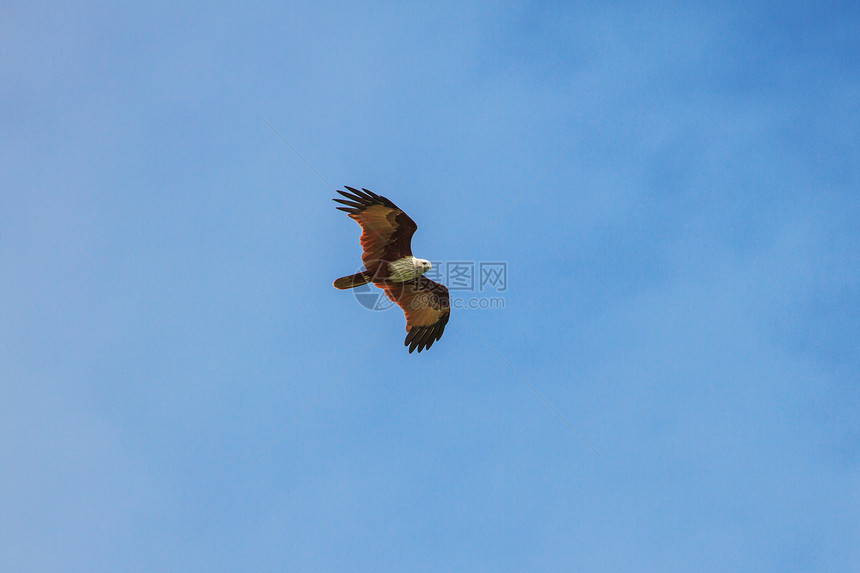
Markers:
{"x": 407, "y": 268}
{"x": 386, "y": 239}
{"x": 397, "y": 271}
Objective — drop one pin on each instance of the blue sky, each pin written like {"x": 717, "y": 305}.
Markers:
{"x": 674, "y": 190}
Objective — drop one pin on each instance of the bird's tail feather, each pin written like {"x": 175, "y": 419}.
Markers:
{"x": 352, "y": 281}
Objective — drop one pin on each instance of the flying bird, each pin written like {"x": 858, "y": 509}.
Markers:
{"x": 386, "y": 237}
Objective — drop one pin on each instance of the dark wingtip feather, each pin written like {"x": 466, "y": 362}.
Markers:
{"x": 352, "y": 204}
{"x": 422, "y": 337}
{"x": 360, "y": 194}
{"x": 422, "y": 340}
{"x": 413, "y": 344}
{"x": 363, "y": 199}
{"x": 410, "y": 336}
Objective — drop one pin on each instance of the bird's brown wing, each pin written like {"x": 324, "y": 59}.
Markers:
{"x": 386, "y": 231}
{"x": 427, "y": 308}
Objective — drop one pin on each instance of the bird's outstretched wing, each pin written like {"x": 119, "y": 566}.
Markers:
{"x": 427, "y": 308}
{"x": 386, "y": 231}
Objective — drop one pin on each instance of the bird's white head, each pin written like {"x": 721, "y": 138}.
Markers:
{"x": 422, "y": 265}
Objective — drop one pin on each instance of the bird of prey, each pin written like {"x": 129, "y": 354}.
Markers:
{"x": 386, "y": 237}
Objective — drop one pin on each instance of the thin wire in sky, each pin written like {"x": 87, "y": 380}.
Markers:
{"x": 300, "y": 156}
{"x": 319, "y": 397}
{"x": 532, "y": 184}
{"x": 538, "y": 394}
{"x": 296, "y": 152}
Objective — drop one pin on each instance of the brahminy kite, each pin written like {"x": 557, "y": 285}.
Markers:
{"x": 386, "y": 237}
